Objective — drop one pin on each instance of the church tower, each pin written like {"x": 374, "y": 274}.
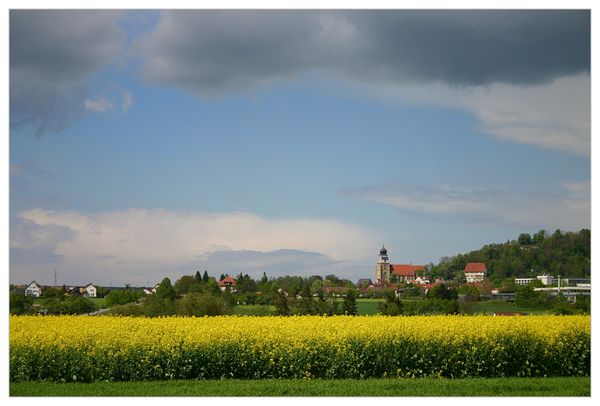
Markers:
{"x": 382, "y": 269}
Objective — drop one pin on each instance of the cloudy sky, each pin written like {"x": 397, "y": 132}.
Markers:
{"x": 146, "y": 144}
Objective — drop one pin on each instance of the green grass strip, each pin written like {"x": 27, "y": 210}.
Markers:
{"x": 561, "y": 386}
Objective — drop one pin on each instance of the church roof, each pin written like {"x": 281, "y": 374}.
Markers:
{"x": 406, "y": 269}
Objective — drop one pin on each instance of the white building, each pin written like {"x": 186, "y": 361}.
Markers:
{"x": 89, "y": 290}
{"x": 422, "y": 280}
{"x": 546, "y": 279}
{"x": 475, "y": 272}
{"x": 523, "y": 281}
{"x": 33, "y": 289}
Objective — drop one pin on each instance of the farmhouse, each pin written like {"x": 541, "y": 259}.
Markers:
{"x": 405, "y": 273}
{"x": 475, "y": 272}
{"x": 89, "y": 290}
{"x": 227, "y": 283}
{"x": 33, "y": 289}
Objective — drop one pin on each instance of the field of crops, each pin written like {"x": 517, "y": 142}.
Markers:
{"x": 81, "y": 348}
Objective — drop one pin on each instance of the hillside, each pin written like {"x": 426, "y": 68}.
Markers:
{"x": 565, "y": 254}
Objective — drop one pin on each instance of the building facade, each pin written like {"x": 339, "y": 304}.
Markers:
{"x": 475, "y": 272}
{"x": 33, "y": 289}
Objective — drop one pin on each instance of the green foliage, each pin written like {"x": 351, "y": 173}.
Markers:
{"x": 470, "y": 292}
{"x": 349, "y": 303}
{"x": 392, "y": 306}
{"x": 525, "y": 239}
{"x": 20, "y": 304}
{"x": 77, "y": 305}
{"x": 441, "y": 291}
{"x": 53, "y": 293}
{"x": 202, "y": 304}
{"x": 490, "y": 387}
{"x": 186, "y": 284}
{"x": 525, "y": 296}
{"x": 123, "y": 296}
{"x": 281, "y": 304}
{"x": 165, "y": 290}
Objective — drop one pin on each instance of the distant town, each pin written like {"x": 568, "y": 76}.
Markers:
{"x": 456, "y": 285}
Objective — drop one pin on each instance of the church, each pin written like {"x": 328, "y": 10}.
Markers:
{"x": 384, "y": 270}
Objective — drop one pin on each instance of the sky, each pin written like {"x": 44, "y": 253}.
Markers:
{"x": 146, "y": 144}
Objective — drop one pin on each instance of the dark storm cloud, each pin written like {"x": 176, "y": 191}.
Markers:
{"x": 52, "y": 54}
{"x": 31, "y": 242}
{"x": 211, "y": 52}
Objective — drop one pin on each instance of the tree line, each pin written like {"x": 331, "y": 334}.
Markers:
{"x": 562, "y": 253}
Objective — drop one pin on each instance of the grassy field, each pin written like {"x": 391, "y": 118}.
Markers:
{"x": 254, "y": 310}
{"x": 350, "y": 387}
{"x": 492, "y": 306}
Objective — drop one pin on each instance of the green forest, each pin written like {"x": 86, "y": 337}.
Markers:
{"x": 565, "y": 254}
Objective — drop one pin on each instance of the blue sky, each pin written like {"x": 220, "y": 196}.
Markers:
{"x": 145, "y": 145}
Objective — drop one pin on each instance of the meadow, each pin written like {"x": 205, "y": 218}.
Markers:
{"x": 556, "y": 386}
{"x": 87, "y": 349}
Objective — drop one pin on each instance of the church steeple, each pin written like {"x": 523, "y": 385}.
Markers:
{"x": 382, "y": 269}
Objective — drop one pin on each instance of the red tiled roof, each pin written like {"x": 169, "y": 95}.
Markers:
{"x": 406, "y": 270}
{"x": 475, "y": 267}
{"x": 228, "y": 280}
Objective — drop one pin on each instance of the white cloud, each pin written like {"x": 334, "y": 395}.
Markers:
{"x": 554, "y": 115}
{"x": 136, "y": 243}
{"x": 126, "y": 100}
{"x": 99, "y": 105}
{"x": 567, "y": 211}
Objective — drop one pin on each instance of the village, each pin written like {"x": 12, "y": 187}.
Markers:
{"x": 406, "y": 282}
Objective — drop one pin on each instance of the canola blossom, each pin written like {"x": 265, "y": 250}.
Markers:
{"x": 83, "y": 348}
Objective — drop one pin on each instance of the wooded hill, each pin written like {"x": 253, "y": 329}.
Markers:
{"x": 565, "y": 254}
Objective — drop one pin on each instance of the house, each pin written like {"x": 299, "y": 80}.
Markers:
{"x": 364, "y": 283}
{"x": 475, "y": 272}
{"x": 33, "y": 289}
{"x": 227, "y": 283}
{"x": 422, "y": 280}
{"x": 89, "y": 290}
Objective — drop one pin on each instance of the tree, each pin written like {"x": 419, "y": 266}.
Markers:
{"x": 392, "y": 306}
{"x": 202, "y": 304}
{"x": 212, "y": 286}
{"x": 122, "y": 296}
{"x": 441, "y": 291}
{"x": 165, "y": 290}
{"x": 349, "y": 303}
{"x": 78, "y": 305}
{"x": 539, "y": 237}
{"x": 281, "y": 304}
{"x": 53, "y": 293}
{"x": 20, "y": 304}
{"x": 184, "y": 284}
{"x": 198, "y": 277}
{"x": 525, "y": 239}
{"x": 205, "y": 276}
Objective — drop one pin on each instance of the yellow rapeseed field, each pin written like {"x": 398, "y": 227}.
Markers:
{"x": 122, "y": 348}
